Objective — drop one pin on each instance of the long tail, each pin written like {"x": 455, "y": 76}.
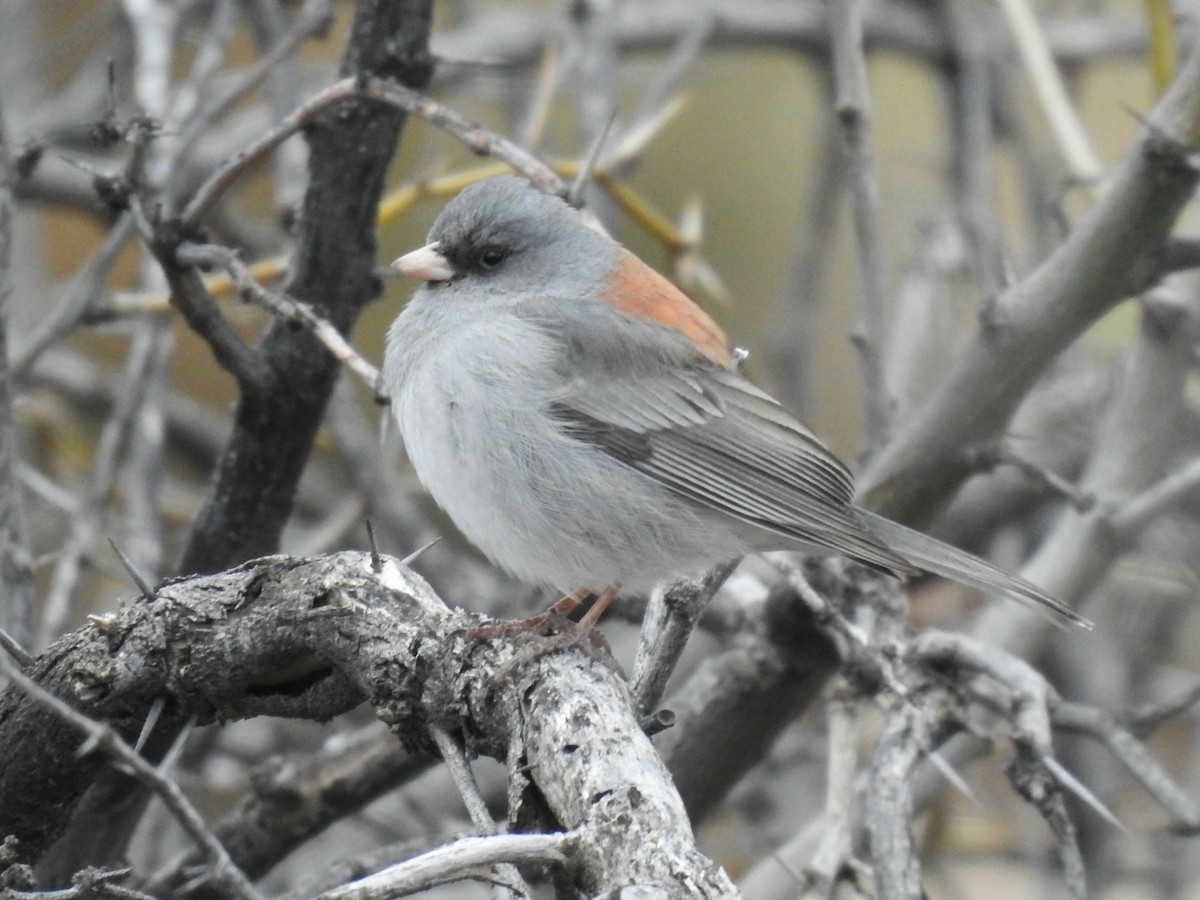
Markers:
{"x": 942, "y": 559}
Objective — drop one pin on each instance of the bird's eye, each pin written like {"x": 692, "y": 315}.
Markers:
{"x": 491, "y": 257}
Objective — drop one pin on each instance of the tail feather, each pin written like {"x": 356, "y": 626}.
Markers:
{"x": 940, "y": 558}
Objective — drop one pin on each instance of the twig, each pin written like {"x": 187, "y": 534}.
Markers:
{"x": 911, "y": 730}
{"x": 479, "y": 139}
{"x": 298, "y": 797}
{"x": 794, "y": 336}
{"x": 282, "y": 306}
{"x": 13, "y": 648}
{"x": 147, "y": 592}
{"x": 995, "y": 453}
{"x": 1035, "y": 782}
{"x": 670, "y": 76}
{"x": 597, "y": 103}
{"x": 312, "y": 20}
{"x": 16, "y": 571}
{"x": 1032, "y": 699}
{"x": 455, "y": 862}
{"x": 853, "y": 106}
{"x": 77, "y": 300}
{"x": 1145, "y": 720}
{"x": 1072, "y": 139}
{"x": 1132, "y": 754}
{"x": 862, "y": 656}
{"x": 101, "y": 736}
{"x": 390, "y": 502}
{"x": 202, "y": 313}
{"x": 670, "y": 617}
{"x": 220, "y": 180}
{"x": 972, "y": 84}
{"x": 533, "y": 121}
{"x": 845, "y": 727}
{"x": 1136, "y": 512}
{"x": 142, "y": 477}
{"x": 512, "y": 36}
{"x": 88, "y": 884}
{"x": 106, "y": 463}
{"x": 468, "y": 789}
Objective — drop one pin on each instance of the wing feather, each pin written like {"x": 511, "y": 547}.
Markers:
{"x": 709, "y": 435}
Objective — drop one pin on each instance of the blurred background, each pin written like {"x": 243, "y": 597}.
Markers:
{"x": 733, "y": 181}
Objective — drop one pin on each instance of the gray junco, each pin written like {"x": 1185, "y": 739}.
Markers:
{"x": 580, "y": 419}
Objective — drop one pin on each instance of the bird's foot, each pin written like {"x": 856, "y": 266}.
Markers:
{"x": 552, "y": 621}
{"x": 553, "y": 631}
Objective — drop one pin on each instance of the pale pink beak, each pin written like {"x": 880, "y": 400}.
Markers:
{"x": 426, "y": 264}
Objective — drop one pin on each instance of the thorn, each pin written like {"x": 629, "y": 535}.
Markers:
{"x": 416, "y": 554}
{"x": 1076, "y": 787}
{"x": 91, "y": 742}
{"x": 575, "y": 195}
{"x": 11, "y": 646}
{"x": 147, "y": 591}
{"x": 376, "y": 562}
{"x": 177, "y": 745}
{"x": 691, "y": 221}
{"x": 643, "y": 132}
{"x": 156, "y": 709}
{"x": 951, "y": 775}
{"x": 104, "y": 621}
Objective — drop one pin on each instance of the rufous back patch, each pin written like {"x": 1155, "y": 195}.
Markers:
{"x": 640, "y": 292}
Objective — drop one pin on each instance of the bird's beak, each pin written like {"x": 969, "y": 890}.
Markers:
{"x": 426, "y": 264}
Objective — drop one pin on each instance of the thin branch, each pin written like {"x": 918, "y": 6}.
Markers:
{"x": 85, "y": 525}
{"x": 911, "y": 730}
{"x": 200, "y": 310}
{"x": 1034, "y": 781}
{"x": 836, "y": 846}
{"x": 16, "y": 563}
{"x": 1051, "y": 93}
{"x": 14, "y": 649}
{"x": 1132, "y": 754}
{"x": 455, "y": 862}
{"x": 283, "y": 306}
{"x": 479, "y": 139}
{"x": 852, "y": 104}
{"x": 88, "y": 884}
{"x": 101, "y": 736}
{"x": 995, "y": 454}
{"x": 670, "y": 617}
{"x": 460, "y": 772}
{"x": 512, "y": 37}
{"x": 1138, "y": 511}
{"x": 297, "y": 798}
{"x": 78, "y": 299}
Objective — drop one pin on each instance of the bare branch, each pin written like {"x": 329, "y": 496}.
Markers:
{"x": 479, "y": 139}
{"x": 852, "y": 105}
{"x": 571, "y": 713}
{"x": 16, "y": 570}
{"x": 284, "y": 307}
{"x": 1032, "y": 322}
{"x": 102, "y": 737}
{"x": 456, "y": 861}
{"x": 670, "y": 617}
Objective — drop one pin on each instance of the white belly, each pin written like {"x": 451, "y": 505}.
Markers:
{"x": 544, "y": 506}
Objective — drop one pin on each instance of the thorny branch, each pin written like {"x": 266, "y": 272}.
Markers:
{"x": 389, "y": 628}
{"x": 174, "y": 170}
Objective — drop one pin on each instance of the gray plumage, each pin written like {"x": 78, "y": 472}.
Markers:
{"x": 579, "y": 446}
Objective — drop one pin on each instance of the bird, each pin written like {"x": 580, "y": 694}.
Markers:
{"x": 585, "y": 424}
